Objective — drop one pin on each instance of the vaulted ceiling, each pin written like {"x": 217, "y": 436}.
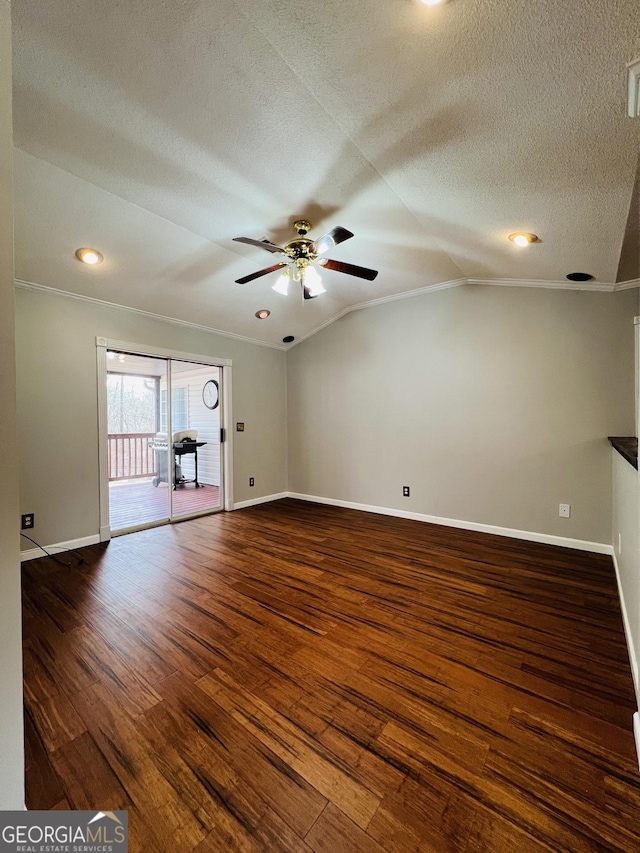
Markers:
{"x": 156, "y": 132}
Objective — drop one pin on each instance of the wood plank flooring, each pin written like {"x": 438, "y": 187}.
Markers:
{"x": 294, "y": 678}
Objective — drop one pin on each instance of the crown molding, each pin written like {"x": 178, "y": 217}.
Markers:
{"x": 547, "y": 285}
{"x": 633, "y": 70}
{"x": 54, "y": 291}
{"x": 598, "y": 287}
{"x": 627, "y": 285}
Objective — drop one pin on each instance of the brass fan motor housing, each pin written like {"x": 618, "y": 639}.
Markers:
{"x": 300, "y": 248}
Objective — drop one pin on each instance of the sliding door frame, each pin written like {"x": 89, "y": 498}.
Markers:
{"x": 225, "y": 366}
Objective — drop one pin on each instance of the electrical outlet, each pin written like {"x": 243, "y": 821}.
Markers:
{"x": 252, "y": 481}
{"x": 405, "y": 492}
{"x": 564, "y": 510}
{"x": 28, "y": 521}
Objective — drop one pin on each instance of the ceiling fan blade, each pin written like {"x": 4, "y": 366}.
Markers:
{"x": 262, "y": 244}
{"x": 259, "y": 273}
{"x": 331, "y": 239}
{"x": 350, "y": 269}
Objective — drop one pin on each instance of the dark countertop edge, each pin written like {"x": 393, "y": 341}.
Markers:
{"x": 626, "y": 447}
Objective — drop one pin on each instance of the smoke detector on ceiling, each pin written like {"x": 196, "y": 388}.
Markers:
{"x": 634, "y": 88}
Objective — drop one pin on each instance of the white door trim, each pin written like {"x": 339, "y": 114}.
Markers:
{"x": 227, "y": 445}
{"x": 160, "y": 352}
{"x": 103, "y": 431}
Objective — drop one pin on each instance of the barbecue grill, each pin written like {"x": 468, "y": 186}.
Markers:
{"x": 183, "y": 442}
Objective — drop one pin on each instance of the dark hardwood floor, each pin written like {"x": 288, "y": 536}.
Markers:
{"x": 294, "y": 678}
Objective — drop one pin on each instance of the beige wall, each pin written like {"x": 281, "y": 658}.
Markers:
{"x": 57, "y": 408}
{"x": 11, "y": 737}
{"x": 492, "y": 403}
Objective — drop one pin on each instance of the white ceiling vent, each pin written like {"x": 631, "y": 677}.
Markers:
{"x": 634, "y": 88}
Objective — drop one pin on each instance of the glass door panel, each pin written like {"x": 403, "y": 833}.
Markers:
{"x": 195, "y": 427}
{"x": 140, "y": 479}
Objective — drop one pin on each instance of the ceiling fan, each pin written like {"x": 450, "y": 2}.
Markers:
{"x": 302, "y": 255}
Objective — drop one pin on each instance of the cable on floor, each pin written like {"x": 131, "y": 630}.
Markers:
{"x": 53, "y": 556}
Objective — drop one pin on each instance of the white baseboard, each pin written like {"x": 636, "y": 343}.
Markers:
{"x": 527, "y": 535}
{"x": 378, "y": 510}
{"x": 530, "y": 536}
{"x": 633, "y": 658}
{"x": 263, "y": 500}
{"x": 59, "y": 547}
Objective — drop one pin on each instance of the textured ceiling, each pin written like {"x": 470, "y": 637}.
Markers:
{"x": 156, "y": 132}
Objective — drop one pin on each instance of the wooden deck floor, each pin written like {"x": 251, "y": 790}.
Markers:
{"x": 140, "y": 502}
{"x": 293, "y": 677}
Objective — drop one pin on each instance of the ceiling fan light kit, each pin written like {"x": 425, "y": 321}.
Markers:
{"x": 301, "y": 260}
{"x": 282, "y": 283}
{"x": 313, "y": 281}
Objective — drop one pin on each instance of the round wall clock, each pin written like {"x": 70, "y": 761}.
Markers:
{"x": 211, "y": 394}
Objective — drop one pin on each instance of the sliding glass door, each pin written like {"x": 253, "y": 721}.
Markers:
{"x": 137, "y": 461}
{"x": 195, "y": 428}
{"x": 164, "y": 456}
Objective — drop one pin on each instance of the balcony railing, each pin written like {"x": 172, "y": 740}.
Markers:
{"x": 130, "y": 456}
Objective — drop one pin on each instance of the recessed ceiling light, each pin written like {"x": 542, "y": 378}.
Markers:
{"x": 89, "y": 256}
{"x": 521, "y": 238}
{"x": 263, "y": 313}
{"x": 282, "y": 283}
{"x": 433, "y": 2}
